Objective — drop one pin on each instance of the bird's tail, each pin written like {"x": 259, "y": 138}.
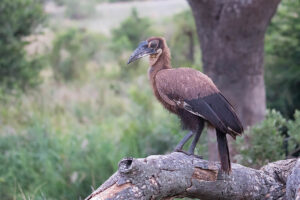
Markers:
{"x": 223, "y": 152}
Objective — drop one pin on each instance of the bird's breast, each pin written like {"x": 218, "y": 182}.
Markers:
{"x": 168, "y": 106}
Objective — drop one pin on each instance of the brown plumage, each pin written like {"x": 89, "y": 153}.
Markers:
{"x": 192, "y": 96}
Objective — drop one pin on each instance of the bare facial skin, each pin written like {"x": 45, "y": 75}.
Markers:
{"x": 154, "y": 57}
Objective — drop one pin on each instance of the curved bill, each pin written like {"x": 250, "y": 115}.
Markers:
{"x": 141, "y": 51}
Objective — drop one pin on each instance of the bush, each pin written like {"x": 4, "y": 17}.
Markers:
{"x": 126, "y": 38}
{"x": 294, "y": 134}
{"x": 131, "y": 32}
{"x": 184, "y": 43}
{"x": 79, "y": 9}
{"x": 72, "y": 49}
{"x": 58, "y": 147}
{"x": 152, "y": 136}
{"x": 265, "y": 141}
{"x": 42, "y": 164}
{"x": 273, "y": 139}
{"x": 18, "y": 19}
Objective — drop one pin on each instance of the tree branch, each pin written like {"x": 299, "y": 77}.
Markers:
{"x": 293, "y": 183}
{"x": 180, "y": 175}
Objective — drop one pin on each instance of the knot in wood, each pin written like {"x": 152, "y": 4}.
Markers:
{"x": 125, "y": 165}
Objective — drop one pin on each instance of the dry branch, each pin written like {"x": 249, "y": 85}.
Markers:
{"x": 179, "y": 175}
{"x": 293, "y": 183}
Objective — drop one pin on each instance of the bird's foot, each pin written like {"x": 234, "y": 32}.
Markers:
{"x": 188, "y": 153}
{"x": 181, "y": 151}
{"x": 197, "y": 156}
{"x": 178, "y": 149}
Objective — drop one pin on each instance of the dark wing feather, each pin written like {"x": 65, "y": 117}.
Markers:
{"x": 225, "y": 112}
{"x": 203, "y": 109}
{"x": 196, "y": 93}
{"x": 215, "y": 109}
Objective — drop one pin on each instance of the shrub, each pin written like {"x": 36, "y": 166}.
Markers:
{"x": 78, "y": 9}
{"x": 184, "y": 43}
{"x": 263, "y": 143}
{"x": 42, "y": 164}
{"x": 58, "y": 148}
{"x": 294, "y": 134}
{"x": 125, "y": 39}
{"x": 72, "y": 49}
{"x": 18, "y": 19}
{"x": 131, "y": 32}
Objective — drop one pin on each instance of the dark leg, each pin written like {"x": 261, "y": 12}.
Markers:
{"x": 183, "y": 141}
{"x": 223, "y": 152}
{"x": 196, "y": 138}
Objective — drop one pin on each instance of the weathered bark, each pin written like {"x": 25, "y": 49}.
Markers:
{"x": 231, "y": 35}
{"x": 179, "y": 175}
{"x": 293, "y": 183}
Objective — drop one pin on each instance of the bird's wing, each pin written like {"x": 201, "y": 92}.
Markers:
{"x": 195, "y": 92}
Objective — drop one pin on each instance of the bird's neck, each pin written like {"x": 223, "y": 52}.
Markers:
{"x": 160, "y": 63}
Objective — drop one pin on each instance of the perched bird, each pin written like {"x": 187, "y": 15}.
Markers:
{"x": 192, "y": 96}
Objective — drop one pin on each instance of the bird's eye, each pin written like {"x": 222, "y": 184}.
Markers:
{"x": 153, "y": 45}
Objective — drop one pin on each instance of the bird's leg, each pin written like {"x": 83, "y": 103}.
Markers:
{"x": 183, "y": 141}
{"x": 196, "y": 138}
{"x": 194, "y": 143}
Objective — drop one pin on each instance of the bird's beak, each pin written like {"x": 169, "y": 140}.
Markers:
{"x": 141, "y": 51}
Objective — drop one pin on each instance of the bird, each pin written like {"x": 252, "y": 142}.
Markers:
{"x": 192, "y": 96}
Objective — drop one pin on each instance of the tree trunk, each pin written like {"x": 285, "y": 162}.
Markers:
{"x": 177, "y": 175}
{"x": 231, "y": 35}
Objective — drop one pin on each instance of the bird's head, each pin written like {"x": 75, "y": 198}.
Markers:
{"x": 153, "y": 46}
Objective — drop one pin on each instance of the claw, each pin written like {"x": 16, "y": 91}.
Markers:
{"x": 188, "y": 153}
{"x": 181, "y": 151}
{"x": 198, "y": 156}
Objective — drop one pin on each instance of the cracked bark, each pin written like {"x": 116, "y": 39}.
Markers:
{"x": 178, "y": 175}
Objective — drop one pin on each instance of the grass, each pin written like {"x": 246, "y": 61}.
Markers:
{"x": 61, "y": 140}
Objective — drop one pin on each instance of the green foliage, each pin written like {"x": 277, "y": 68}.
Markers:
{"x": 294, "y": 132}
{"x": 40, "y": 163}
{"x": 264, "y": 143}
{"x": 126, "y": 38}
{"x": 78, "y": 9}
{"x": 56, "y": 147}
{"x": 131, "y": 32}
{"x": 153, "y": 136}
{"x": 283, "y": 59}
{"x": 184, "y": 43}
{"x": 18, "y": 19}
{"x": 72, "y": 49}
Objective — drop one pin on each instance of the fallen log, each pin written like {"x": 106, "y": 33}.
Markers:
{"x": 178, "y": 175}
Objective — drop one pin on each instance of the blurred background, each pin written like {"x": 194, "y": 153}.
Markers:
{"x": 70, "y": 107}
